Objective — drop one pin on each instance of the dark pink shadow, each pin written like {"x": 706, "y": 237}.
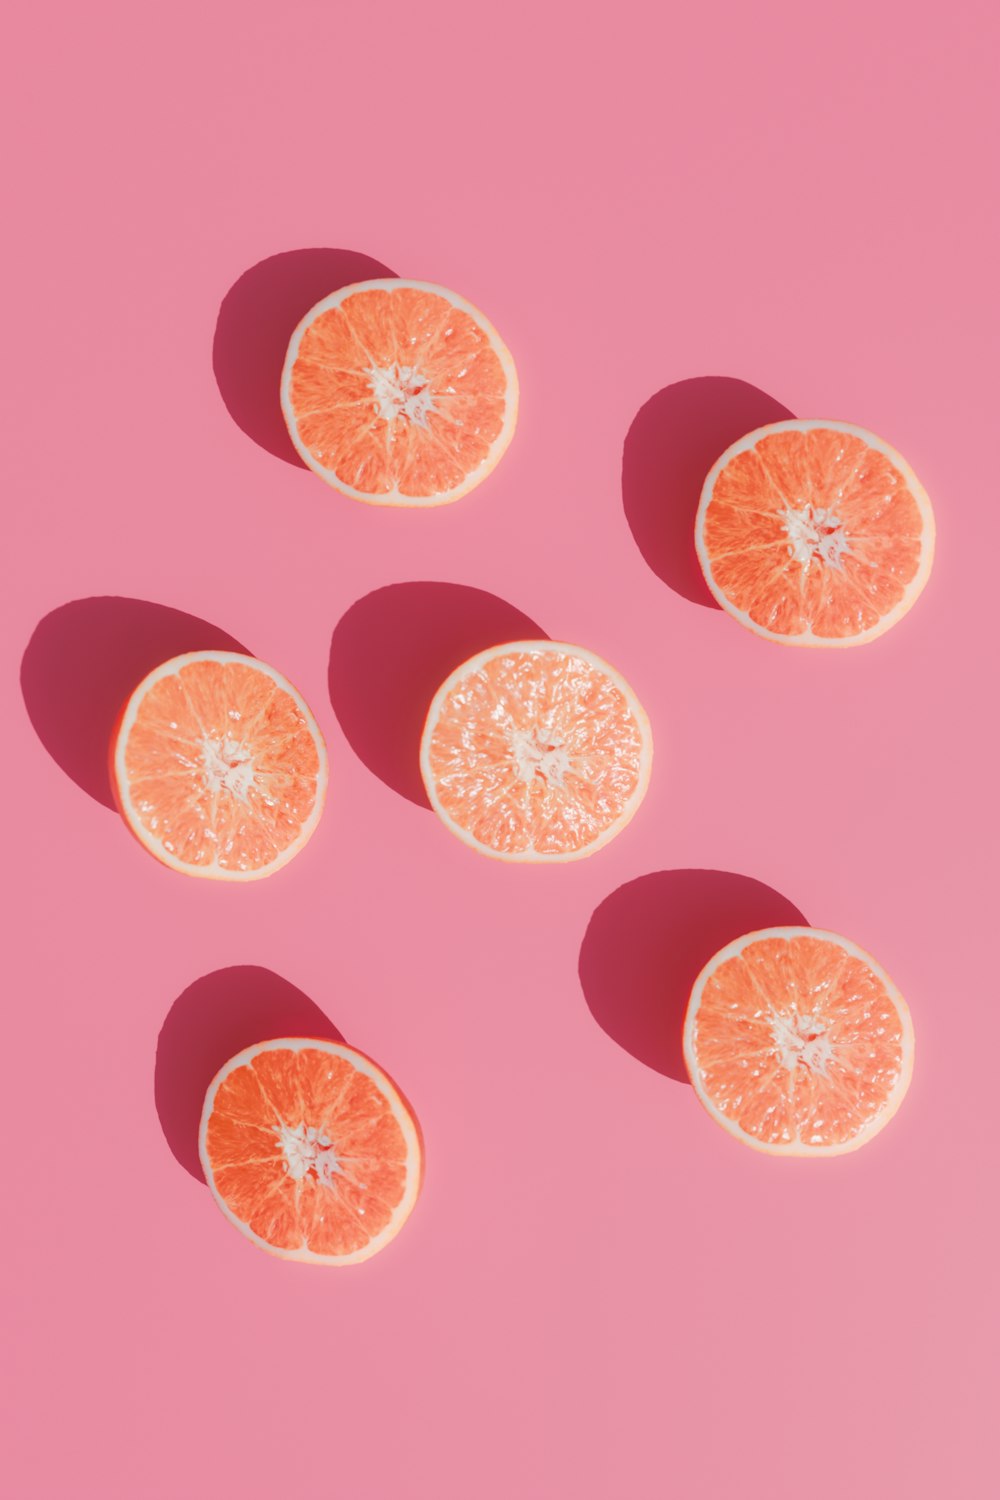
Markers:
{"x": 258, "y": 316}
{"x": 649, "y": 940}
{"x": 213, "y": 1019}
{"x": 389, "y": 655}
{"x": 673, "y": 442}
{"x": 81, "y": 665}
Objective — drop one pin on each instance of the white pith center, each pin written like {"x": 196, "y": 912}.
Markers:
{"x": 815, "y": 533}
{"x": 539, "y": 755}
{"x": 227, "y": 765}
{"x": 401, "y": 391}
{"x": 308, "y": 1150}
{"x": 801, "y": 1040}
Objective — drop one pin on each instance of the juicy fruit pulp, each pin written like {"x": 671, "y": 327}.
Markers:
{"x": 536, "y": 751}
{"x": 310, "y": 1151}
{"x": 219, "y": 767}
{"x": 399, "y": 393}
{"x": 797, "y": 1042}
{"x": 814, "y": 533}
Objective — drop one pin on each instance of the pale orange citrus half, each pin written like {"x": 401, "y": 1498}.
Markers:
{"x": 798, "y": 1043}
{"x": 219, "y": 767}
{"x": 310, "y": 1150}
{"x": 814, "y": 533}
{"x": 399, "y": 393}
{"x": 536, "y": 751}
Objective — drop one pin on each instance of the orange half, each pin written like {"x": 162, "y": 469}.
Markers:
{"x": 536, "y": 751}
{"x": 798, "y": 1043}
{"x": 310, "y": 1150}
{"x": 399, "y": 393}
{"x": 814, "y": 533}
{"x": 219, "y": 767}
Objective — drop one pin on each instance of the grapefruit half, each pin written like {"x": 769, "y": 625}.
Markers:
{"x": 798, "y": 1043}
{"x": 814, "y": 533}
{"x": 218, "y": 766}
{"x": 310, "y": 1150}
{"x": 536, "y": 751}
{"x": 399, "y": 393}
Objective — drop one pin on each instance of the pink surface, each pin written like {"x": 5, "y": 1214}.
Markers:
{"x": 599, "y": 1294}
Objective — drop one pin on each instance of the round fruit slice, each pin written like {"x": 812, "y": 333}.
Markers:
{"x": 218, "y": 766}
{"x": 798, "y": 1043}
{"x": 814, "y": 533}
{"x": 399, "y": 393}
{"x": 310, "y": 1151}
{"x": 536, "y": 751}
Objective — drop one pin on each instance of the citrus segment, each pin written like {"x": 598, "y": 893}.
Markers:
{"x": 310, "y": 1151}
{"x": 536, "y": 751}
{"x": 399, "y": 393}
{"x": 797, "y": 1042}
{"x": 814, "y": 533}
{"x": 219, "y": 767}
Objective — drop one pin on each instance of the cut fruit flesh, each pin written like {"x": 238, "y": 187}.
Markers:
{"x": 219, "y": 767}
{"x": 310, "y": 1150}
{"x": 399, "y": 393}
{"x": 798, "y": 1043}
{"x": 814, "y": 533}
{"x": 536, "y": 751}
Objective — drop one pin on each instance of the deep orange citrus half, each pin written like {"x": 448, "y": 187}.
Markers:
{"x": 310, "y": 1150}
{"x": 219, "y": 767}
{"x": 798, "y": 1043}
{"x": 399, "y": 393}
{"x": 814, "y": 533}
{"x": 536, "y": 751}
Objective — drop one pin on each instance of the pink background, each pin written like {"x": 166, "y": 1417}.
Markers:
{"x": 599, "y": 1294}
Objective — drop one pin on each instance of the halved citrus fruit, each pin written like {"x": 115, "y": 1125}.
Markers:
{"x": 814, "y": 533}
{"x": 310, "y": 1150}
{"x": 399, "y": 393}
{"x": 797, "y": 1042}
{"x": 536, "y": 751}
{"x": 219, "y": 767}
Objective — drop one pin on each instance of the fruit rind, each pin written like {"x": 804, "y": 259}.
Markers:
{"x": 400, "y": 1110}
{"x": 807, "y": 638}
{"x": 797, "y": 1148}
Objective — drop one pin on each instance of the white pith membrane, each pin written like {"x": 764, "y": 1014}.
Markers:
{"x": 802, "y": 1041}
{"x": 227, "y": 765}
{"x": 223, "y": 766}
{"x": 401, "y": 392}
{"x": 306, "y": 1150}
{"x": 309, "y": 1152}
{"x": 402, "y": 396}
{"x": 525, "y": 761}
{"x": 539, "y": 754}
{"x": 792, "y": 1056}
{"x": 818, "y": 537}
{"x": 815, "y": 534}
